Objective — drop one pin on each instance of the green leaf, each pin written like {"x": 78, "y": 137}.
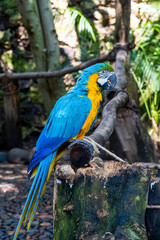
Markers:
{"x": 84, "y": 25}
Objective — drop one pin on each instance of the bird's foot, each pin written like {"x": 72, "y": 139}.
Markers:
{"x": 96, "y": 162}
{"x": 93, "y": 143}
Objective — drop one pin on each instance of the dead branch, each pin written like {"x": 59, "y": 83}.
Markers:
{"x": 106, "y": 127}
{"x": 120, "y": 69}
{"x": 35, "y": 75}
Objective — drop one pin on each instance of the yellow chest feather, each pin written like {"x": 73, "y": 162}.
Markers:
{"x": 95, "y": 96}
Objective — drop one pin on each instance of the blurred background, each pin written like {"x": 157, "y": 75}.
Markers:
{"x": 59, "y": 34}
{"x": 51, "y": 35}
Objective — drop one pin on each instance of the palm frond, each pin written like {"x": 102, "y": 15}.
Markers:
{"x": 84, "y": 25}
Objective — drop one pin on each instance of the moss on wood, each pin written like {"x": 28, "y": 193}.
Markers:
{"x": 99, "y": 200}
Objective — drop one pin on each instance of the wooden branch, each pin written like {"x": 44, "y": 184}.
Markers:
{"x": 81, "y": 154}
{"x": 34, "y": 75}
{"x": 120, "y": 69}
{"x": 106, "y": 127}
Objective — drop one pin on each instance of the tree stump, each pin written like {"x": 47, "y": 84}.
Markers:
{"x": 90, "y": 202}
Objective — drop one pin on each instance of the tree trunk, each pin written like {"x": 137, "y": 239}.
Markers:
{"x": 122, "y": 27}
{"x": 52, "y": 48}
{"x": 38, "y": 20}
{"x": 12, "y": 127}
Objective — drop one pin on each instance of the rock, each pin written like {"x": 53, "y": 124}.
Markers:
{"x": 97, "y": 15}
{"x": 134, "y": 21}
{"x": 44, "y": 224}
{"x": 11, "y": 233}
{"x": 18, "y": 155}
{"x": 3, "y": 157}
{"x": 102, "y": 15}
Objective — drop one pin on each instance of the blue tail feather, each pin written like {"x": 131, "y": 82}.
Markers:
{"x": 38, "y": 179}
{"x": 35, "y": 191}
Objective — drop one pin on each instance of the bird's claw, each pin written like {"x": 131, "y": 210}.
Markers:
{"x": 98, "y": 161}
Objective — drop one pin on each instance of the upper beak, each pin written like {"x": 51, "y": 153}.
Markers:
{"x": 107, "y": 81}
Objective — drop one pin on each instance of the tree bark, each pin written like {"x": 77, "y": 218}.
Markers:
{"x": 92, "y": 201}
{"x": 52, "y": 48}
{"x": 12, "y": 127}
{"x": 41, "y": 34}
{"x": 122, "y": 27}
{"x": 120, "y": 69}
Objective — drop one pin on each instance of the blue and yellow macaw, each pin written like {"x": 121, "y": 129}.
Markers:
{"x": 71, "y": 118}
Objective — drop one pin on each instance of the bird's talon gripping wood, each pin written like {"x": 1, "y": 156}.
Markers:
{"x": 71, "y": 118}
{"x": 98, "y": 161}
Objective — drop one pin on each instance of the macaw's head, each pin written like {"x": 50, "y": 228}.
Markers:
{"x": 101, "y": 73}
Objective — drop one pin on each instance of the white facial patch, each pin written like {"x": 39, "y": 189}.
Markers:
{"x": 103, "y": 79}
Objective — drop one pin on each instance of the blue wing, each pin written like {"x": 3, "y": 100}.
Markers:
{"x": 65, "y": 121}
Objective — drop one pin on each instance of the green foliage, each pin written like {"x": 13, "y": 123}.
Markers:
{"x": 84, "y": 26}
{"x": 35, "y": 95}
{"x": 23, "y": 61}
{"x": 145, "y": 70}
{"x": 149, "y": 43}
{"x": 5, "y": 37}
{"x": 87, "y": 34}
{"x": 9, "y": 8}
{"x": 13, "y": 53}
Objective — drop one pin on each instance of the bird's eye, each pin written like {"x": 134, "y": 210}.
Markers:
{"x": 101, "y": 72}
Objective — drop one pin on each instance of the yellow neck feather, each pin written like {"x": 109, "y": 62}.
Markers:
{"x": 93, "y": 89}
{"x": 95, "y": 96}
